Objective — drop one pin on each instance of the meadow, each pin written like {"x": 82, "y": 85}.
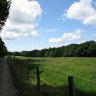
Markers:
{"x": 54, "y": 74}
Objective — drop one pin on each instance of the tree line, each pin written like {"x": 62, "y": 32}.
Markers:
{"x": 4, "y": 13}
{"x": 3, "y": 49}
{"x": 86, "y": 49}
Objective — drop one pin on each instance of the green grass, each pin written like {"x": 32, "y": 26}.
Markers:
{"x": 54, "y": 74}
{"x": 56, "y": 68}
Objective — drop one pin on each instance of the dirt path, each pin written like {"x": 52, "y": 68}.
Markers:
{"x": 6, "y": 82}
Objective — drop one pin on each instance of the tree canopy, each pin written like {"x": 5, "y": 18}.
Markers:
{"x": 3, "y": 49}
{"x": 86, "y": 49}
{"x": 4, "y": 12}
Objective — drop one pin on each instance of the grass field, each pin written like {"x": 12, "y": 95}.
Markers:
{"x": 54, "y": 74}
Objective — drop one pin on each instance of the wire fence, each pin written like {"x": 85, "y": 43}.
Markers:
{"x": 84, "y": 87}
{"x": 49, "y": 87}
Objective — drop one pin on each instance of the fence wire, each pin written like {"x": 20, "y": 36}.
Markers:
{"x": 59, "y": 87}
{"x": 84, "y": 87}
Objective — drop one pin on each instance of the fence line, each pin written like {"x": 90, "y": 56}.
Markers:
{"x": 71, "y": 82}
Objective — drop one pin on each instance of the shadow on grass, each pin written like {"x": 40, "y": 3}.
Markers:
{"x": 26, "y": 88}
{"x": 45, "y": 90}
{"x": 80, "y": 92}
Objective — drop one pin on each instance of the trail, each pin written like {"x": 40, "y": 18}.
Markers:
{"x": 6, "y": 82}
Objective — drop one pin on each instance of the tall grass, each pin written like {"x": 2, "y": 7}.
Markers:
{"x": 54, "y": 73}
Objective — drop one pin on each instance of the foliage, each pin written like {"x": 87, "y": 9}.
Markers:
{"x": 4, "y": 12}
{"x": 86, "y": 49}
{"x": 3, "y": 49}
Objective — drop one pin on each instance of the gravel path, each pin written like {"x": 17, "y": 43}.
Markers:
{"x": 6, "y": 82}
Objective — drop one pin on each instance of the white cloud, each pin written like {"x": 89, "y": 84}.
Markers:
{"x": 34, "y": 34}
{"x": 56, "y": 40}
{"x": 10, "y": 35}
{"x": 23, "y": 19}
{"x": 72, "y": 36}
{"x": 83, "y": 11}
{"x": 66, "y": 36}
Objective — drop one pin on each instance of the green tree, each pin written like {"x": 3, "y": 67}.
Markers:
{"x": 3, "y": 49}
{"x": 4, "y": 12}
{"x": 86, "y": 49}
{"x": 91, "y": 52}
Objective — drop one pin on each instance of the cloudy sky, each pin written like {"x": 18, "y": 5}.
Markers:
{"x": 37, "y": 24}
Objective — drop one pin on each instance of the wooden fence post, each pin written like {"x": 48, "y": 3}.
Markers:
{"x": 71, "y": 86}
{"x": 38, "y": 78}
{"x": 21, "y": 67}
{"x": 14, "y": 59}
{"x": 27, "y": 70}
